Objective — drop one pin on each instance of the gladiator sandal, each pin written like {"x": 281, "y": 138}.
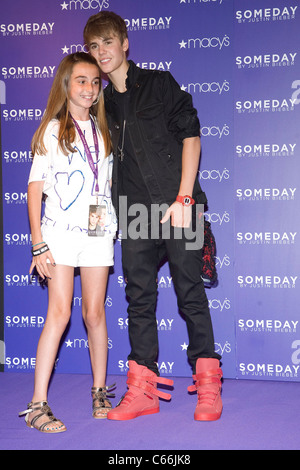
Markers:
{"x": 45, "y": 410}
{"x": 101, "y": 395}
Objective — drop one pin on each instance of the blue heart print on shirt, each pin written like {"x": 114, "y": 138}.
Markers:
{"x": 68, "y": 187}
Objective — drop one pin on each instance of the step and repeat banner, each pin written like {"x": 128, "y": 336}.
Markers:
{"x": 240, "y": 61}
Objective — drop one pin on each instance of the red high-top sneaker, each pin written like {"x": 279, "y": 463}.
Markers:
{"x": 208, "y": 386}
{"x": 142, "y": 395}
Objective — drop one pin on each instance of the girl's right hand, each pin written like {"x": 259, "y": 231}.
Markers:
{"x": 40, "y": 263}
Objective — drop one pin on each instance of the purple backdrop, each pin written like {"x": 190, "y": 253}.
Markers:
{"x": 240, "y": 61}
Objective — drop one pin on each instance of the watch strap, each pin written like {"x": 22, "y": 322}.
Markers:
{"x": 185, "y": 200}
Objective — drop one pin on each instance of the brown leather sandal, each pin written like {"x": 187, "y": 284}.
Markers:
{"x": 101, "y": 394}
{"x": 45, "y": 410}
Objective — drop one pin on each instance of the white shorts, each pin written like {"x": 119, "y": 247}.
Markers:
{"x": 78, "y": 249}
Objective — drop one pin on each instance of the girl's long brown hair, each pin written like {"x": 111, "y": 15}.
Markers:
{"x": 58, "y": 108}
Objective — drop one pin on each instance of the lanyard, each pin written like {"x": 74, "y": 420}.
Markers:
{"x": 93, "y": 166}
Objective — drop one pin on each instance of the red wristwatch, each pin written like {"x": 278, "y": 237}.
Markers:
{"x": 185, "y": 200}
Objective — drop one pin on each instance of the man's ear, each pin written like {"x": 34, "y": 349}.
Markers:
{"x": 125, "y": 45}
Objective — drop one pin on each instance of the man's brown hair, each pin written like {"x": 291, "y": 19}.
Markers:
{"x": 104, "y": 24}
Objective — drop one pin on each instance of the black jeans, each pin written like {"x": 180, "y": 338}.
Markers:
{"x": 141, "y": 259}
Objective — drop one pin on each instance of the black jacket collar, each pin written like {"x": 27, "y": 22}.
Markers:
{"x": 131, "y": 79}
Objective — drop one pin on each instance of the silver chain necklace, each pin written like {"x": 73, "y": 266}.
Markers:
{"x": 121, "y": 150}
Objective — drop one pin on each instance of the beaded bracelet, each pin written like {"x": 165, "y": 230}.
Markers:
{"x": 39, "y": 251}
{"x": 41, "y": 243}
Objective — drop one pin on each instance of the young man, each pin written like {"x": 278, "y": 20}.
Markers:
{"x": 155, "y": 133}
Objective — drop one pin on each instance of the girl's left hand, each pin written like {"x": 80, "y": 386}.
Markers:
{"x": 40, "y": 263}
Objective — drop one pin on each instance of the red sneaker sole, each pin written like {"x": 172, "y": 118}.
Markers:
{"x": 207, "y": 416}
{"x": 121, "y": 416}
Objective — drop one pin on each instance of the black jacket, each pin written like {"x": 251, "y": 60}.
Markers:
{"x": 160, "y": 116}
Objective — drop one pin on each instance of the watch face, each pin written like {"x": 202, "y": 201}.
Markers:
{"x": 185, "y": 200}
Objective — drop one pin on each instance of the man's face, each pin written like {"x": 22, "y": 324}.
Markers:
{"x": 109, "y": 52}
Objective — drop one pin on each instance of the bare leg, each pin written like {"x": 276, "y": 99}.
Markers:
{"x": 93, "y": 284}
{"x": 60, "y": 291}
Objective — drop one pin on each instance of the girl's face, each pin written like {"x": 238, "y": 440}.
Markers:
{"x": 84, "y": 88}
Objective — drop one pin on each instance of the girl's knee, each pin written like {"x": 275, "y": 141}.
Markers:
{"x": 59, "y": 315}
{"x": 93, "y": 317}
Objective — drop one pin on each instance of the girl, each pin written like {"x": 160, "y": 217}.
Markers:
{"x": 72, "y": 169}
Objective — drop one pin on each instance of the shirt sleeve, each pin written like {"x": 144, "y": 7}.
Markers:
{"x": 41, "y": 163}
{"x": 39, "y": 168}
{"x": 182, "y": 117}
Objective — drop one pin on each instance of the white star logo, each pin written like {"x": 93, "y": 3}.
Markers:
{"x": 69, "y": 343}
{"x": 182, "y": 44}
{"x": 183, "y": 88}
{"x": 182, "y": 1}
{"x": 184, "y": 346}
{"x": 65, "y": 50}
{"x": 64, "y": 6}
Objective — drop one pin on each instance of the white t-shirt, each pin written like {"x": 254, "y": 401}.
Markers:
{"x": 69, "y": 182}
